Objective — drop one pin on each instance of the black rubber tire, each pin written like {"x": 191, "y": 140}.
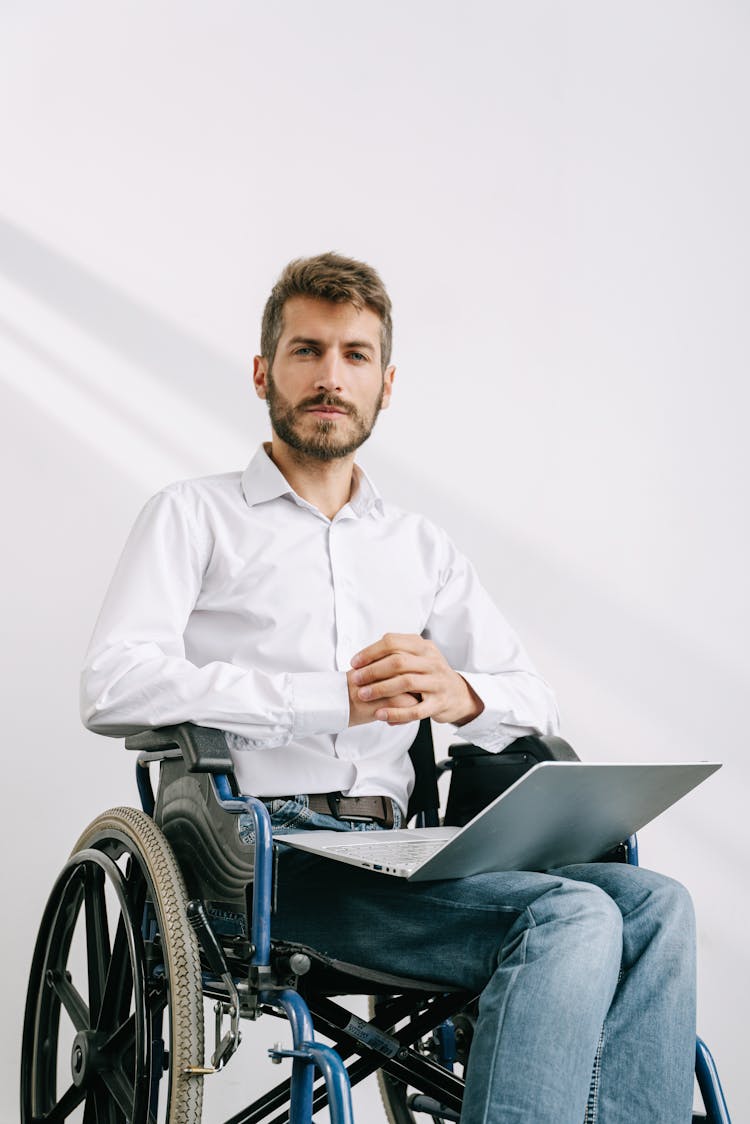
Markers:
{"x": 153, "y": 878}
{"x": 393, "y": 1095}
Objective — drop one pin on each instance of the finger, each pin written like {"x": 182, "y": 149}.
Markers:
{"x": 399, "y": 716}
{"x": 400, "y": 663}
{"x": 391, "y": 642}
{"x": 398, "y": 702}
{"x": 405, "y": 698}
{"x": 385, "y": 688}
{"x": 394, "y": 702}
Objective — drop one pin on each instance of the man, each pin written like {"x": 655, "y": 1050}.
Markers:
{"x": 315, "y": 624}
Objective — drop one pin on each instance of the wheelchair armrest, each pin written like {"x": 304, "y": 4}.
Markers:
{"x": 547, "y": 748}
{"x": 204, "y": 749}
{"x": 478, "y": 776}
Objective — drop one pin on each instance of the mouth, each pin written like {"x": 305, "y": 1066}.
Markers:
{"x": 326, "y": 412}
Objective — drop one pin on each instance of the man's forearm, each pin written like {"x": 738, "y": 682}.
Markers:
{"x": 130, "y": 687}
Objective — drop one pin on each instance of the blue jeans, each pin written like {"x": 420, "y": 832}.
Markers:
{"x": 585, "y": 970}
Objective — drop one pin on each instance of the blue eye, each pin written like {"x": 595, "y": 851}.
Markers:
{"x": 358, "y": 355}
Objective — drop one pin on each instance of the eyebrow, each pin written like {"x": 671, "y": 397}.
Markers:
{"x": 361, "y": 344}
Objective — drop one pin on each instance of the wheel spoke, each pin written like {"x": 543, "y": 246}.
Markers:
{"x": 121, "y": 1088}
{"x": 71, "y": 999}
{"x": 89, "y": 1113}
{"x": 135, "y": 886}
{"x": 68, "y": 1103}
{"x": 119, "y": 982}
{"x": 97, "y": 937}
{"x": 123, "y": 1038}
{"x": 100, "y": 1108}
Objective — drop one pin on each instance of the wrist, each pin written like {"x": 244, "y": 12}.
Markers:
{"x": 471, "y": 704}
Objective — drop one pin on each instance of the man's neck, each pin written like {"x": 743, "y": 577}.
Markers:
{"x": 326, "y": 485}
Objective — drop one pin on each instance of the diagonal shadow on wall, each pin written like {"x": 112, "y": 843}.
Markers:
{"x": 646, "y": 664}
{"x": 123, "y": 324}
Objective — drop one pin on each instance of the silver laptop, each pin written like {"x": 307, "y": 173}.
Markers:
{"x": 559, "y": 812}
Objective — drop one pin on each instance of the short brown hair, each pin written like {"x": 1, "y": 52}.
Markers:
{"x": 328, "y": 277}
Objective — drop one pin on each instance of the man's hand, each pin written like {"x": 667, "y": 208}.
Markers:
{"x": 404, "y": 665}
{"x": 361, "y": 711}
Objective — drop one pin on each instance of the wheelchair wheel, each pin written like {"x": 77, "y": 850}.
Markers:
{"x": 115, "y": 1000}
{"x": 448, "y": 1045}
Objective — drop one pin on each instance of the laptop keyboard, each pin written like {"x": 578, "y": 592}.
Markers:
{"x": 382, "y": 853}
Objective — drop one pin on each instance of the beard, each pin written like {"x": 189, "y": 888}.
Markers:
{"x": 315, "y": 437}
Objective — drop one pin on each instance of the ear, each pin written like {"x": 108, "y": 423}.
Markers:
{"x": 260, "y": 370}
{"x": 388, "y": 377}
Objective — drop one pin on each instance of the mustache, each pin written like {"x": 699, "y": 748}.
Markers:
{"x": 326, "y": 400}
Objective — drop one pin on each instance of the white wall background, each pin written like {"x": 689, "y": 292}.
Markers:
{"x": 556, "y": 194}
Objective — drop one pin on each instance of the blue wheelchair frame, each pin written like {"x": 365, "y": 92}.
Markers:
{"x": 166, "y": 958}
{"x": 306, "y": 1052}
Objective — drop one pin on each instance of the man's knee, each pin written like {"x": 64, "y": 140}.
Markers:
{"x": 632, "y": 885}
{"x": 654, "y": 907}
{"x": 584, "y": 915}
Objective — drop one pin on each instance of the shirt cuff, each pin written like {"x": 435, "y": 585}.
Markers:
{"x": 493, "y": 729}
{"x": 320, "y": 700}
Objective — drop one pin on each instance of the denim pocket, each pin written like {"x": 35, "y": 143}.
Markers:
{"x": 295, "y": 815}
{"x": 286, "y": 815}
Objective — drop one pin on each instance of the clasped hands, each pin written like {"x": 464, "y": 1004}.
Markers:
{"x": 404, "y": 678}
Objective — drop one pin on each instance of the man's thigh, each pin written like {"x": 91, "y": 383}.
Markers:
{"x": 448, "y": 931}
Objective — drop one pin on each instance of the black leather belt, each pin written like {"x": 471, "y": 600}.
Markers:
{"x": 360, "y": 809}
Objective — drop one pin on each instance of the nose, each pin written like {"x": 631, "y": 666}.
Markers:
{"x": 329, "y": 375}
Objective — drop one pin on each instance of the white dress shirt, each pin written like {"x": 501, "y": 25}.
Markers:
{"x": 237, "y": 604}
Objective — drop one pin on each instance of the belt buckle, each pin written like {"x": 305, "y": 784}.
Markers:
{"x": 388, "y": 818}
{"x": 385, "y": 819}
{"x": 334, "y": 799}
{"x": 334, "y": 803}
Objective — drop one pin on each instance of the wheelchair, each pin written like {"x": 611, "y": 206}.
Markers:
{"x": 133, "y": 938}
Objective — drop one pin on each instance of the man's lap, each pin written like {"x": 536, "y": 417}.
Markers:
{"x": 444, "y": 930}
{"x": 451, "y": 930}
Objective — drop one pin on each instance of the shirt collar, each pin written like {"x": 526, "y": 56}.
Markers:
{"x": 262, "y": 481}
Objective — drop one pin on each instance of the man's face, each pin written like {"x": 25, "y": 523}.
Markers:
{"x": 326, "y": 387}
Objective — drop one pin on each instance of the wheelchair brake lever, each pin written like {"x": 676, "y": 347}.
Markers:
{"x": 224, "y": 1046}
